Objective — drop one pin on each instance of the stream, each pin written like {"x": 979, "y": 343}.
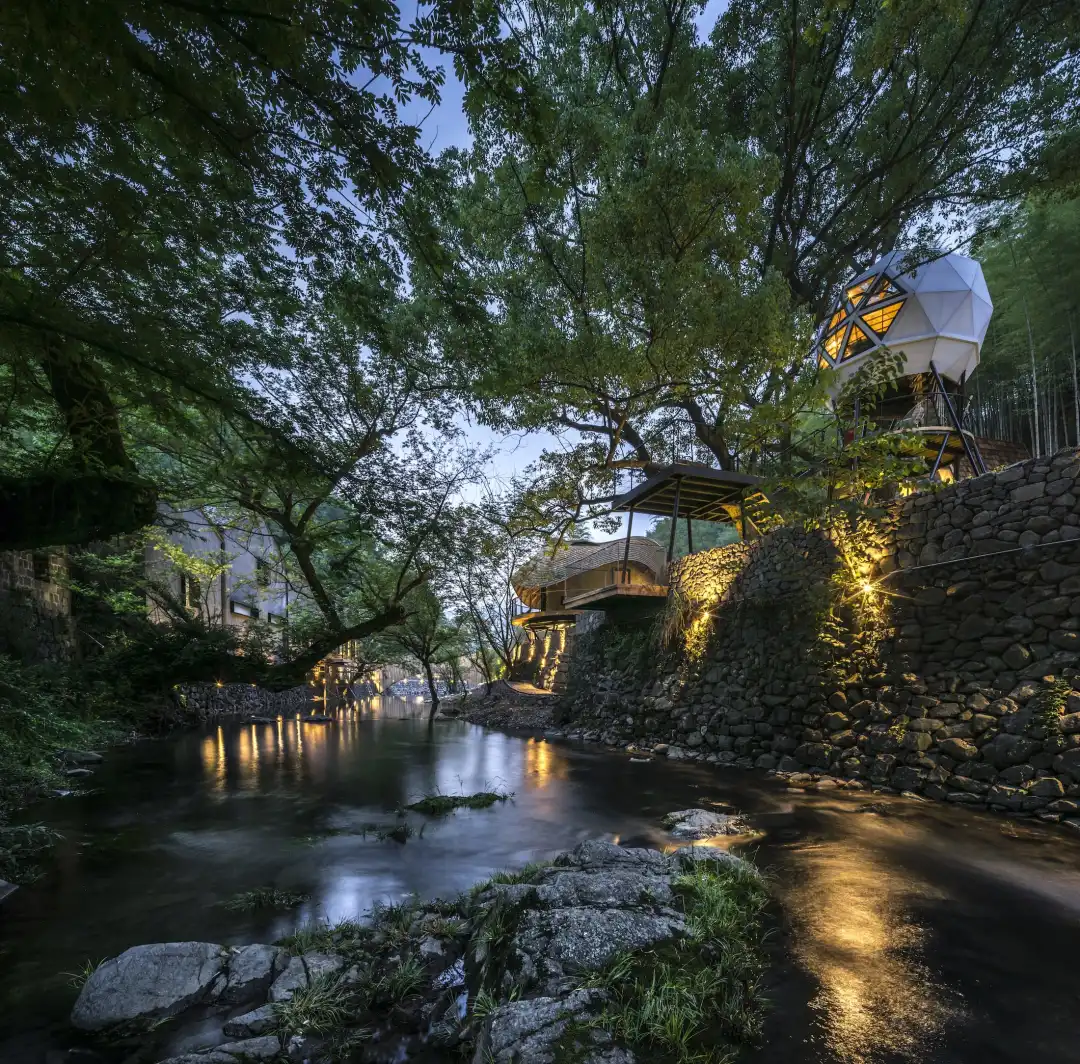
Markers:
{"x": 910, "y": 931}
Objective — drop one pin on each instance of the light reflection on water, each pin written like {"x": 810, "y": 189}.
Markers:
{"x": 891, "y": 954}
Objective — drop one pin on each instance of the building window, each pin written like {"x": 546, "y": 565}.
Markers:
{"x": 262, "y": 573}
{"x": 242, "y": 609}
{"x": 42, "y": 561}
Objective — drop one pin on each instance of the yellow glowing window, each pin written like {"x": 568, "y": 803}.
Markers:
{"x": 823, "y": 362}
{"x": 856, "y": 292}
{"x": 858, "y": 342}
{"x": 886, "y": 290}
{"x": 837, "y": 318}
{"x": 834, "y": 343}
{"x": 879, "y": 320}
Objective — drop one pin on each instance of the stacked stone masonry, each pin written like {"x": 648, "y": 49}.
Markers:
{"x": 202, "y": 701}
{"x": 35, "y": 618}
{"x": 934, "y": 652}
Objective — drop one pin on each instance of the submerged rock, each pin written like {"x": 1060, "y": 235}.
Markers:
{"x": 703, "y": 824}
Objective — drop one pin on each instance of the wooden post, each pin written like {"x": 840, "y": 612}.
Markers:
{"x": 626, "y": 550}
{"x": 742, "y": 516}
{"x": 674, "y": 521}
{"x": 689, "y": 534}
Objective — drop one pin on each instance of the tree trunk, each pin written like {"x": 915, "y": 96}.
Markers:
{"x": 433, "y": 689}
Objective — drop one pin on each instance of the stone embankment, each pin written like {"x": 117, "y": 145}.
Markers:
{"x": 512, "y": 971}
{"x": 505, "y": 708}
{"x": 198, "y": 702}
{"x": 935, "y": 652}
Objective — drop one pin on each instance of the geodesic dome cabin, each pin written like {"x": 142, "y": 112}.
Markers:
{"x": 935, "y": 315}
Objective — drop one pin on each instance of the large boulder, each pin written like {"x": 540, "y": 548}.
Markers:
{"x": 149, "y": 983}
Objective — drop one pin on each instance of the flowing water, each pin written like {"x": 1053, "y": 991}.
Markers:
{"x": 907, "y": 932}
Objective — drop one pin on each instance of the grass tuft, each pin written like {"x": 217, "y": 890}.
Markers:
{"x": 264, "y": 898}
{"x": 323, "y": 937}
{"x": 77, "y": 979}
{"x": 21, "y": 846}
{"x": 699, "y": 1001}
{"x": 320, "y": 1008}
{"x": 442, "y": 804}
{"x": 400, "y": 982}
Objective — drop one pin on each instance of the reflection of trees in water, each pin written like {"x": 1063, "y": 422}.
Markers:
{"x": 855, "y": 934}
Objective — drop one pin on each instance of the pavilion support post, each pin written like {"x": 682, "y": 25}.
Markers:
{"x": 742, "y": 516}
{"x": 940, "y": 455}
{"x": 674, "y": 522}
{"x": 625, "y": 572}
{"x": 689, "y": 534}
{"x": 973, "y": 456}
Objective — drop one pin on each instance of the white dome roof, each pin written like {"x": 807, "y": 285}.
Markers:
{"x": 937, "y": 312}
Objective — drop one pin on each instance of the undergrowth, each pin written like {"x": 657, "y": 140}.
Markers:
{"x": 698, "y": 1001}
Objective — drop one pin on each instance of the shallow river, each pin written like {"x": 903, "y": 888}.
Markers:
{"x": 916, "y": 933}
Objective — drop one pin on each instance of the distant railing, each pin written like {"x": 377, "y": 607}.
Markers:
{"x": 641, "y": 550}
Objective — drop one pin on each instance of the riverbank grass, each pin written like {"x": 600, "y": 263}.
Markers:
{"x": 697, "y": 1001}
{"x": 264, "y": 898}
{"x": 443, "y": 804}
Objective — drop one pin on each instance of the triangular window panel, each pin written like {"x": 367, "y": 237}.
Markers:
{"x": 823, "y": 362}
{"x": 857, "y": 343}
{"x": 837, "y": 318}
{"x": 885, "y": 290}
{"x": 856, "y": 292}
{"x": 834, "y": 343}
{"x": 879, "y": 320}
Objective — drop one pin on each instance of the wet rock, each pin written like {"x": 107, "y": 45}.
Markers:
{"x": 293, "y": 978}
{"x": 250, "y": 1024}
{"x": 149, "y": 983}
{"x": 430, "y": 946}
{"x": 267, "y": 1047}
{"x": 703, "y": 824}
{"x": 563, "y": 943}
{"x": 251, "y": 971}
{"x": 302, "y": 971}
{"x": 80, "y": 757}
{"x": 528, "y": 1031}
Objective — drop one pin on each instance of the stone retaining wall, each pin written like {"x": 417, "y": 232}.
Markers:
{"x": 201, "y": 701}
{"x": 935, "y": 651}
{"x": 35, "y": 606}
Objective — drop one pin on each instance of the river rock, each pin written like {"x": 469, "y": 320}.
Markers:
{"x": 80, "y": 757}
{"x": 528, "y": 1031}
{"x": 302, "y": 971}
{"x": 703, "y": 824}
{"x": 251, "y": 971}
{"x": 149, "y": 983}
{"x": 250, "y": 1024}
{"x": 268, "y": 1047}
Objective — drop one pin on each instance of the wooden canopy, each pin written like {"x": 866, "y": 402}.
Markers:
{"x": 701, "y": 493}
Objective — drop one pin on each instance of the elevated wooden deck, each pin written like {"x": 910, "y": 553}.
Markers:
{"x": 615, "y": 595}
